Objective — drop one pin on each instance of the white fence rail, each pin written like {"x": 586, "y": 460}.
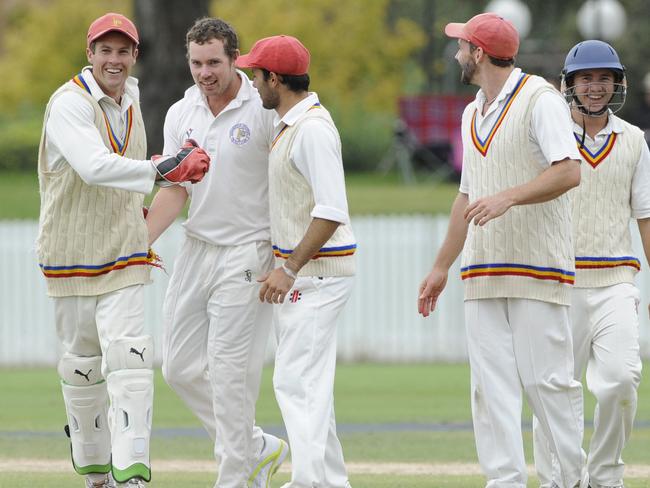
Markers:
{"x": 380, "y": 322}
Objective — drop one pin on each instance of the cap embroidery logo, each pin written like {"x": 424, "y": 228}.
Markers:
{"x": 116, "y": 22}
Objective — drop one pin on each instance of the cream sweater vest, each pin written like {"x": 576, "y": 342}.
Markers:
{"x": 602, "y": 212}
{"x": 92, "y": 239}
{"x": 528, "y": 251}
{"x": 291, "y": 201}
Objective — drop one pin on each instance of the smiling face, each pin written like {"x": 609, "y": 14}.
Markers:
{"x": 213, "y": 71}
{"x": 594, "y": 88}
{"x": 112, "y": 57}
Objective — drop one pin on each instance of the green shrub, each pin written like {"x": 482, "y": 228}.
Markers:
{"x": 365, "y": 138}
{"x": 19, "y": 143}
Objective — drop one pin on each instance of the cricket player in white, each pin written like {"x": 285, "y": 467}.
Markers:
{"x": 314, "y": 248}
{"x": 93, "y": 250}
{"x": 512, "y": 221}
{"x": 615, "y": 187}
{"x": 215, "y": 330}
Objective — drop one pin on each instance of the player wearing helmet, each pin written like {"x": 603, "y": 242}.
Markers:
{"x": 615, "y": 186}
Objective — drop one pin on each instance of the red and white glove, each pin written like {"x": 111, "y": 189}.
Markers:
{"x": 189, "y": 164}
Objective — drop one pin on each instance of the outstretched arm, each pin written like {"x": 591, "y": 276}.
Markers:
{"x": 166, "y": 206}
{"x": 644, "y": 230}
{"x": 435, "y": 281}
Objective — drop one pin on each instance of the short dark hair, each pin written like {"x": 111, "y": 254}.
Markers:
{"x": 295, "y": 83}
{"x": 208, "y": 28}
{"x": 501, "y": 63}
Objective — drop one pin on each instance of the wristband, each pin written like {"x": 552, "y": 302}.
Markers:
{"x": 288, "y": 272}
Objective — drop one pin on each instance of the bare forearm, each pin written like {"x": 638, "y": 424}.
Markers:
{"x": 556, "y": 180}
{"x": 318, "y": 233}
{"x": 165, "y": 207}
{"x": 456, "y": 234}
{"x": 644, "y": 231}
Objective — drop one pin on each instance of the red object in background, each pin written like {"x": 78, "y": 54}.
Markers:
{"x": 435, "y": 120}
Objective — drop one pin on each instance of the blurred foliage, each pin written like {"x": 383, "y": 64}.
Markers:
{"x": 44, "y": 45}
{"x": 365, "y": 55}
{"x": 360, "y": 61}
{"x": 19, "y": 139}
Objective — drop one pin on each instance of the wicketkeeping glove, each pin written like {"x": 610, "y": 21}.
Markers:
{"x": 189, "y": 164}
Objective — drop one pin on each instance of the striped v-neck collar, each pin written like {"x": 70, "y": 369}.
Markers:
{"x": 597, "y": 157}
{"x": 484, "y": 145}
{"x": 117, "y": 145}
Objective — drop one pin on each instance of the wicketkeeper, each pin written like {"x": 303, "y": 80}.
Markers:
{"x": 93, "y": 250}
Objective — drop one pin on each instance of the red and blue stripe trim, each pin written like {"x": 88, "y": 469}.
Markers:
{"x": 597, "y": 262}
{"x": 323, "y": 252}
{"x": 510, "y": 269}
{"x": 484, "y": 145}
{"x": 92, "y": 270}
{"x": 594, "y": 159}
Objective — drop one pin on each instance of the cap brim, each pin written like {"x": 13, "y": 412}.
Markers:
{"x": 455, "y": 30}
{"x": 106, "y": 31}
{"x": 244, "y": 61}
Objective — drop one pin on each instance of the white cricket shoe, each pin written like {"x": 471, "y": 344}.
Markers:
{"x": 133, "y": 483}
{"x": 272, "y": 456}
{"x": 106, "y": 482}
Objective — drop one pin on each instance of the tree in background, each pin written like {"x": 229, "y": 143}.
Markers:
{"x": 45, "y": 45}
{"x": 162, "y": 64}
{"x": 365, "y": 54}
{"x": 360, "y": 60}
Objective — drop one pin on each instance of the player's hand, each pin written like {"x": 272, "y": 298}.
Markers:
{"x": 275, "y": 286}
{"x": 189, "y": 164}
{"x": 430, "y": 290}
{"x": 485, "y": 209}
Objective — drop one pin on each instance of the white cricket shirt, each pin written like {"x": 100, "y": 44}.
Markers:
{"x": 550, "y": 126}
{"x": 72, "y": 138}
{"x": 230, "y": 205}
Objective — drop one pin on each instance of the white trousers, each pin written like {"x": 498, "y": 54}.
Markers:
{"x": 305, "y": 364}
{"x": 605, "y": 327}
{"x": 87, "y": 325}
{"x": 214, "y": 341}
{"x": 518, "y": 344}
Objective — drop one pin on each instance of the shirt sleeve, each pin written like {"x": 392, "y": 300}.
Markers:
{"x": 71, "y": 129}
{"x": 552, "y": 129}
{"x": 464, "y": 176}
{"x": 172, "y": 143}
{"x": 316, "y": 153}
{"x": 640, "y": 198}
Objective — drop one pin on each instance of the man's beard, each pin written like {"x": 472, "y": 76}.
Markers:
{"x": 467, "y": 72}
{"x": 271, "y": 102}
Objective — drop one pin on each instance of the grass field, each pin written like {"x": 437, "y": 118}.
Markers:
{"x": 367, "y": 194}
{"x": 386, "y": 415}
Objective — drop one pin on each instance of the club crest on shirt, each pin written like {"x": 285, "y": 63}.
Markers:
{"x": 240, "y": 134}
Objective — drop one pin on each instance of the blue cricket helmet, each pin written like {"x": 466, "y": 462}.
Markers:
{"x": 593, "y": 54}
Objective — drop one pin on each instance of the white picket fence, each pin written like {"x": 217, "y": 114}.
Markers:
{"x": 380, "y": 322}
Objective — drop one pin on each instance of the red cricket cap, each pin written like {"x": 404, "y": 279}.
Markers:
{"x": 284, "y": 55}
{"x": 491, "y": 32}
{"x": 109, "y": 23}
